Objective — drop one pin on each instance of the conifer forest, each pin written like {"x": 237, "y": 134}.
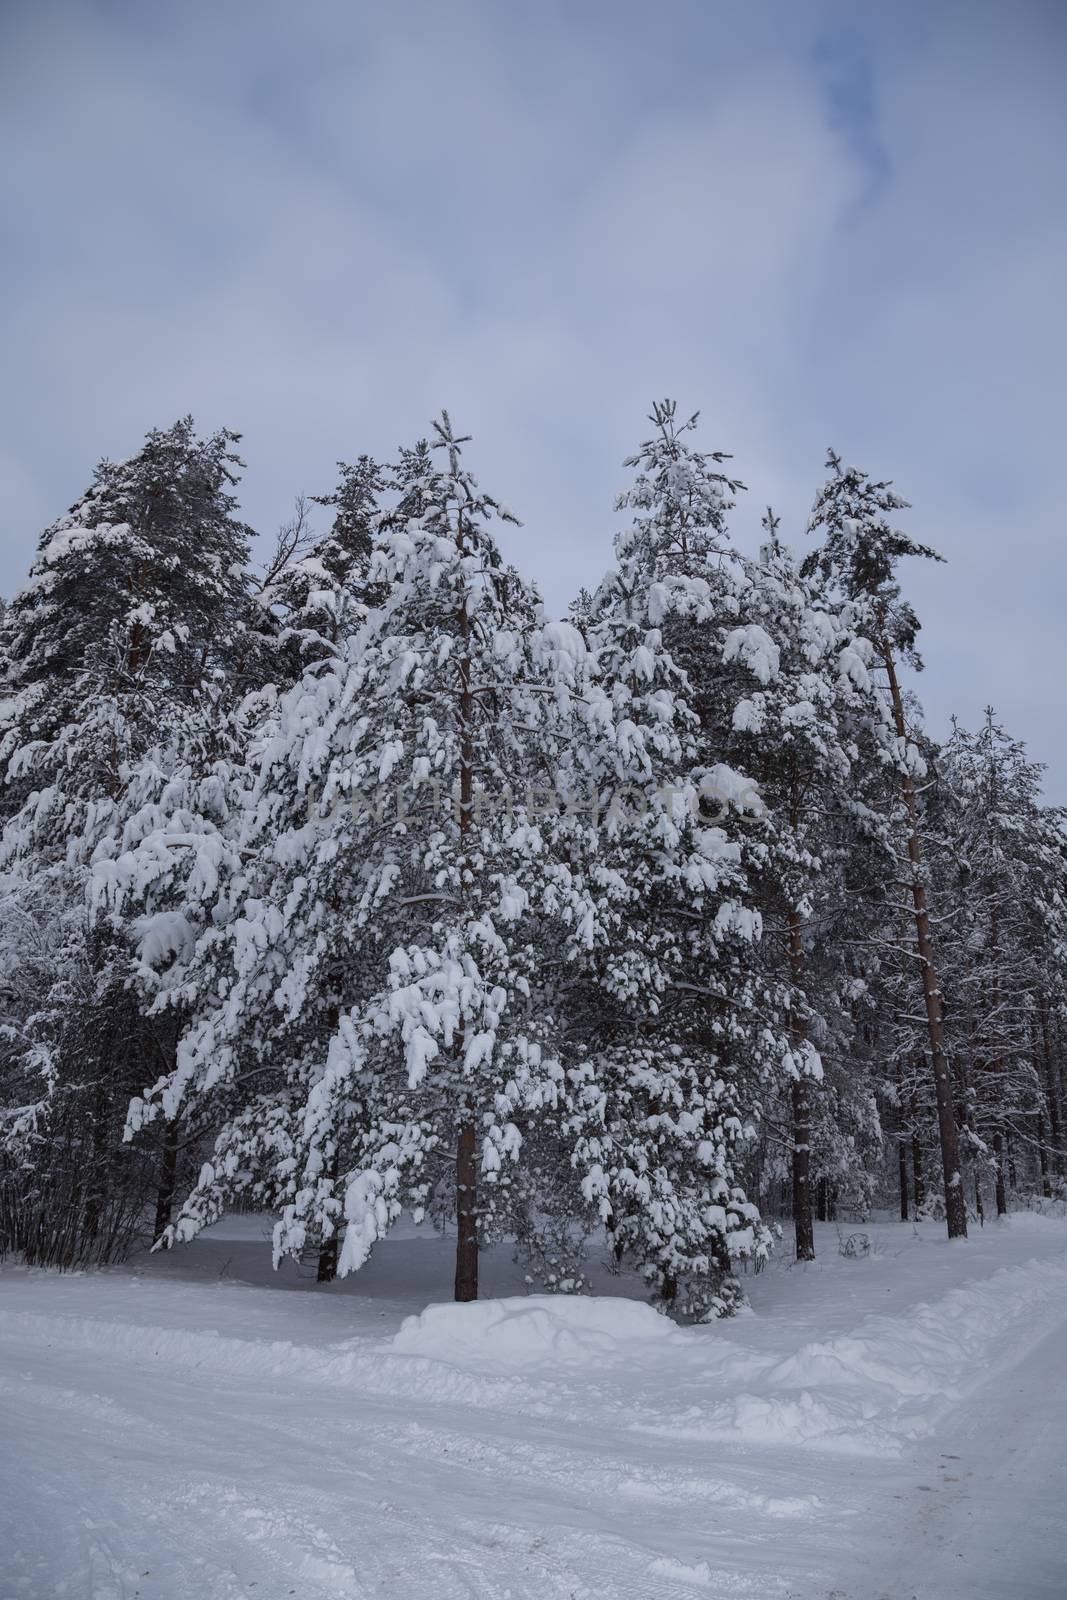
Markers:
{"x": 358, "y": 885}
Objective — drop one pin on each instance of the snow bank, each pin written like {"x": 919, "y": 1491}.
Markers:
{"x": 523, "y": 1331}
{"x": 1046, "y": 1224}
{"x": 890, "y": 1379}
{"x": 934, "y": 1352}
{"x": 355, "y": 1364}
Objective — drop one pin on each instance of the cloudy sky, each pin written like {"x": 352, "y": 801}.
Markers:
{"x": 817, "y": 223}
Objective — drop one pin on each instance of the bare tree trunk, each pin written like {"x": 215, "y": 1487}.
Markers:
{"x": 802, "y": 1219}
{"x": 955, "y": 1209}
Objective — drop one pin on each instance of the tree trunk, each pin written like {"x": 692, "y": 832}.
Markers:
{"x": 917, "y": 1177}
{"x": 326, "y": 1271}
{"x": 918, "y": 1184}
{"x": 1002, "y": 1196}
{"x": 330, "y": 1249}
{"x": 167, "y": 1176}
{"x": 466, "y": 1215}
{"x": 955, "y": 1209}
{"x": 1042, "y": 1152}
{"x": 902, "y": 1147}
{"x": 802, "y": 1220}
{"x": 966, "y": 1118}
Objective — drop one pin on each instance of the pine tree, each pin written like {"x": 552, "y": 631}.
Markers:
{"x": 114, "y": 651}
{"x": 133, "y": 595}
{"x": 812, "y": 730}
{"x": 860, "y": 551}
{"x": 318, "y": 595}
{"x": 680, "y": 1027}
{"x": 377, "y": 956}
{"x": 1003, "y": 859}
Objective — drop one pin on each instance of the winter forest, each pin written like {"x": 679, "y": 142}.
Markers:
{"x": 356, "y": 886}
{"x": 533, "y": 935}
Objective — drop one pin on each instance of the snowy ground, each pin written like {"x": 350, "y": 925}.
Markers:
{"x": 194, "y": 1429}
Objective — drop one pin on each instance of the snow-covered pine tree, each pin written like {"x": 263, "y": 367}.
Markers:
{"x": 1003, "y": 872}
{"x": 880, "y": 931}
{"x": 181, "y": 844}
{"x": 375, "y": 964}
{"x": 677, "y": 1021}
{"x": 318, "y": 595}
{"x": 860, "y": 551}
{"x": 134, "y": 596}
{"x": 812, "y": 730}
{"x": 134, "y": 610}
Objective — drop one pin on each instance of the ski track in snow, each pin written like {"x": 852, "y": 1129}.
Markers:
{"x": 886, "y": 1429}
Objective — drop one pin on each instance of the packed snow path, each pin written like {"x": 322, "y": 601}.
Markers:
{"x": 877, "y": 1429}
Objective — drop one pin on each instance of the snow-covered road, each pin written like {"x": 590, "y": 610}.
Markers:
{"x": 886, "y": 1427}
{"x": 989, "y": 1517}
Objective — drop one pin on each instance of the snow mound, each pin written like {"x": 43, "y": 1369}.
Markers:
{"x": 698, "y": 1573}
{"x": 527, "y": 1330}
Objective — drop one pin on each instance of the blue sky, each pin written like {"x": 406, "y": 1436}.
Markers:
{"x": 817, "y": 223}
